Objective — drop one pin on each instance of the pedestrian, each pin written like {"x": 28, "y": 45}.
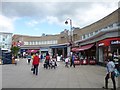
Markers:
{"x": 110, "y": 72}
{"x": 47, "y": 60}
{"x": 72, "y": 60}
{"x": 53, "y": 64}
{"x": 66, "y": 62}
{"x": 41, "y": 57}
{"x": 35, "y": 64}
{"x": 29, "y": 58}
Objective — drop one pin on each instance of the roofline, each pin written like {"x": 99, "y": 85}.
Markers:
{"x": 33, "y": 36}
{"x": 6, "y": 33}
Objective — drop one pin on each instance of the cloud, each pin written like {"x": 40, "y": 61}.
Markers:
{"x": 32, "y": 23}
{"x": 81, "y": 13}
{"x": 95, "y": 13}
{"x": 6, "y": 24}
{"x": 52, "y": 20}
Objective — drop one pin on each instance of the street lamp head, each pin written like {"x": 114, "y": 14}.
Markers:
{"x": 66, "y": 22}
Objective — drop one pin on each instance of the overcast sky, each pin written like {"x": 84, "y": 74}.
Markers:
{"x": 35, "y": 18}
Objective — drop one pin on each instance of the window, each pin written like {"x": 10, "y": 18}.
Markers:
{"x": 91, "y": 34}
{"x": 83, "y": 37}
{"x": 32, "y": 43}
{"x": 3, "y": 39}
{"x": 26, "y": 43}
{"x": 110, "y": 25}
{"x": 3, "y": 46}
{"x": 118, "y": 24}
{"x": 39, "y": 42}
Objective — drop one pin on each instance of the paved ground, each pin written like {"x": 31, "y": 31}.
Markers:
{"x": 83, "y": 76}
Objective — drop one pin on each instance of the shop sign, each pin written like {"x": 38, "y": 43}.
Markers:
{"x": 101, "y": 44}
{"x": 115, "y": 42}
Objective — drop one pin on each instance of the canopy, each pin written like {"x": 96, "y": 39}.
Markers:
{"x": 85, "y": 47}
{"x": 82, "y": 48}
{"x": 75, "y": 49}
{"x": 32, "y": 51}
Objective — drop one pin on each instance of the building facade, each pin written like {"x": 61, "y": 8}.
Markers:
{"x": 100, "y": 38}
{"x": 95, "y": 40}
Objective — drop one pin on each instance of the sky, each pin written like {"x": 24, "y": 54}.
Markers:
{"x": 33, "y": 17}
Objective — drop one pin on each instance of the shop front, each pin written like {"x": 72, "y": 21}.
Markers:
{"x": 59, "y": 50}
{"x": 87, "y": 54}
{"x": 43, "y": 51}
{"x": 109, "y": 45}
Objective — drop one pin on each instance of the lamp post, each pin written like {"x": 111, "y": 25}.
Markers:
{"x": 71, "y": 32}
{"x": 71, "y": 35}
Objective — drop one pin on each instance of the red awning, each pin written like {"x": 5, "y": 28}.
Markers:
{"x": 75, "y": 49}
{"x": 82, "y": 48}
{"x": 85, "y": 47}
{"x": 32, "y": 51}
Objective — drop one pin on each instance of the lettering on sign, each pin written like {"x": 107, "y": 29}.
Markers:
{"x": 115, "y": 42}
{"x": 101, "y": 44}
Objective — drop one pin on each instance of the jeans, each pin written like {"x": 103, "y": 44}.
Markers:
{"x": 113, "y": 80}
{"x": 35, "y": 70}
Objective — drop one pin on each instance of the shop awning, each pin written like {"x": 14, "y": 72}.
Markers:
{"x": 75, "y": 49}
{"x": 86, "y": 47}
{"x": 32, "y": 51}
{"x": 82, "y": 48}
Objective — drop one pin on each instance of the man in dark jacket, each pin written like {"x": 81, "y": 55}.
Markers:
{"x": 35, "y": 63}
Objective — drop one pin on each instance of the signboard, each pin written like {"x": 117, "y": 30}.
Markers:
{"x": 115, "y": 42}
{"x": 101, "y": 44}
{"x": 107, "y": 42}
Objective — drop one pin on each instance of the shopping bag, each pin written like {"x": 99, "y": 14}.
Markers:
{"x": 117, "y": 73}
{"x": 32, "y": 69}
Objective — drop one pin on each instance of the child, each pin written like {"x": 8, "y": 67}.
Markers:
{"x": 53, "y": 64}
{"x": 66, "y": 62}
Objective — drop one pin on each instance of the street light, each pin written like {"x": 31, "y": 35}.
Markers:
{"x": 66, "y": 22}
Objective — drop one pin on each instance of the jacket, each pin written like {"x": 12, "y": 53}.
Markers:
{"x": 47, "y": 57}
{"x": 35, "y": 60}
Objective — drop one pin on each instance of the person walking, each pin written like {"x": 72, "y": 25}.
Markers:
{"x": 35, "y": 64}
{"x": 66, "y": 62}
{"x": 41, "y": 57}
{"x": 29, "y": 58}
{"x": 47, "y": 60}
{"x": 110, "y": 72}
{"x": 72, "y": 61}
